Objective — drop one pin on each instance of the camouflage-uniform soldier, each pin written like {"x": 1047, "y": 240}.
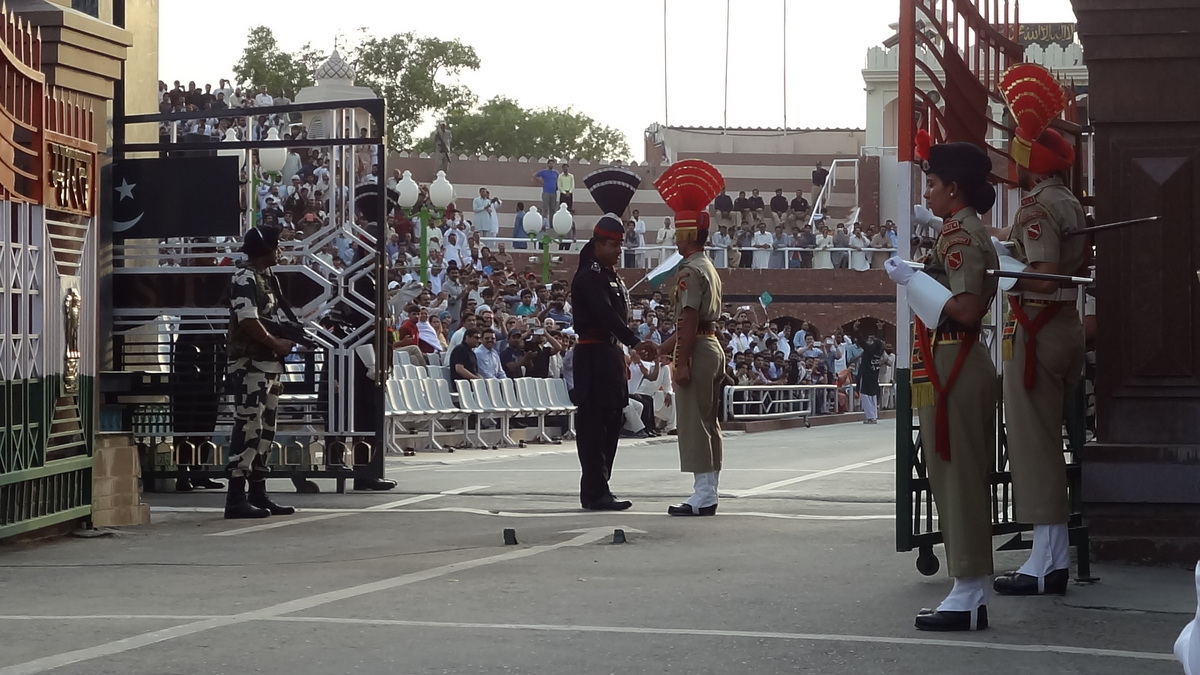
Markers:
{"x": 255, "y": 370}
{"x": 954, "y": 381}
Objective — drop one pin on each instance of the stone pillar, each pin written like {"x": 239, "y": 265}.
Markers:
{"x": 1141, "y": 479}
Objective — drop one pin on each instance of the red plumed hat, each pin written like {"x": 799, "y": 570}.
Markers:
{"x": 688, "y": 187}
{"x": 1036, "y": 99}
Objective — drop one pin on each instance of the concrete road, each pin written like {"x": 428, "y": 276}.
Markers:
{"x": 797, "y": 573}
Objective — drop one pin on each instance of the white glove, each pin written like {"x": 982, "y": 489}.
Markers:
{"x": 921, "y": 215}
{"x": 1010, "y": 264}
{"x": 898, "y": 270}
{"x": 1002, "y": 248}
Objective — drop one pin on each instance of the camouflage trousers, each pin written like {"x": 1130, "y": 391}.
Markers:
{"x": 255, "y": 399}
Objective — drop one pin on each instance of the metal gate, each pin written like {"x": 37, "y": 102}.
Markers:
{"x": 47, "y": 293}
{"x": 171, "y": 317}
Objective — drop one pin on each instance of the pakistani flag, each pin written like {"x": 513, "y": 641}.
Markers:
{"x": 660, "y": 274}
{"x": 765, "y": 299}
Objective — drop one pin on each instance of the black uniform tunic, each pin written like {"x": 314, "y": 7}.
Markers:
{"x": 601, "y": 310}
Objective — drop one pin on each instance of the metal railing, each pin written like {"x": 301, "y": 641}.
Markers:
{"x": 788, "y": 401}
{"x": 831, "y": 183}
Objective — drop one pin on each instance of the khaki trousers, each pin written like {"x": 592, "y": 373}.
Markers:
{"x": 698, "y": 409}
{"x": 962, "y": 486}
{"x": 1034, "y": 417}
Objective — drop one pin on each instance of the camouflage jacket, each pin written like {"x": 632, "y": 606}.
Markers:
{"x": 252, "y": 297}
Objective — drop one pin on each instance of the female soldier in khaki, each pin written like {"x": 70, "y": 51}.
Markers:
{"x": 954, "y": 381}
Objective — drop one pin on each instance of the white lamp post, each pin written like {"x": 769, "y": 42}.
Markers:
{"x": 562, "y": 221}
{"x": 231, "y": 137}
{"x": 271, "y": 160}
{"x": 441, "y": 192}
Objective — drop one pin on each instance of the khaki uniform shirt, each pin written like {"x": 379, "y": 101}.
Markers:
{"x": 962, "y": 255}
{"x": 697, "y": 286}
{"x": 1048, "y": 214}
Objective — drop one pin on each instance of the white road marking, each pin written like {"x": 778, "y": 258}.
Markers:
{"x": 341, "y": 514}
{"x": 298, "y": 605}
{"x": 555, "y": 513}
{"x": 811, "y": 637}
{"x": 762, "y": 489}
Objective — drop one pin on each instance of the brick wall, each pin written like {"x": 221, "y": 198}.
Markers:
{"x": 827, "y": 298}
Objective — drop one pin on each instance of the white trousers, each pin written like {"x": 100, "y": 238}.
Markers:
{"x": 664, "y": 412}
{"x": 968, "y": 594}
{"x": 704, "y": 492}
{"x": 870, "y": 406}
{"x": 1051, "y": 550}
{"x": 633, "y": 416}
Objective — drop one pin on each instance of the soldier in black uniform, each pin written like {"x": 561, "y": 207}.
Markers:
{"x": 601, "y": 308}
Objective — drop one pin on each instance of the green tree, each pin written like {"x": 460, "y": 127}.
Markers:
{"x": 417, "y": 77}
{"x": 503, "y": 127}
{"x": 263, "y": 63}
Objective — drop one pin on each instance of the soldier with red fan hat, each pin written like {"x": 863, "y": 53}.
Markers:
{"x": 1043, "y": 339}
{"x": 699, "y": 361}
{"x": 601, "y": 309}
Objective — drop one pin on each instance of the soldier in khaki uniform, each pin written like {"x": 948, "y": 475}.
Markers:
{"x": 954, "y": 381}
{"x": 1043, "y": 339}
{"x": 699, "y": 361}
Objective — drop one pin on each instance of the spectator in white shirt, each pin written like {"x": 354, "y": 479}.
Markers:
{"x": 720, "y": 242}
{"x": 858, "y": 257}
{"x": 484, "y": 207}
{"x": 639, "y": 228}
{"x": 762, "y": 242}
{"x": 263, "y": 99}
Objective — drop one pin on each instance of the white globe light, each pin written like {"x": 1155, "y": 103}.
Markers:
{"x": 272, "y": 160}
{"x": 408, "y": 190}
{"x": 562, "y": 221}
{"x": 532, "y": 222}
{"x": 231, "y": 137}
{"x": 441, "y": 192}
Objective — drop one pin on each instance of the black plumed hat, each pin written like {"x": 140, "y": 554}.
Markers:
{"x": 613, "y": 190}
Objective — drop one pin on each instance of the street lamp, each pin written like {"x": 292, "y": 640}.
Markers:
{"x": 441, "y": 194}
{"x": 271, "y": 160}
{"x": 562, "y": 223}
{"x": 231, "y": 137}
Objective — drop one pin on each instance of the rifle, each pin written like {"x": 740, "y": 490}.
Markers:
{"x": 292, "y": 331}
{"x": 290, "y": 328}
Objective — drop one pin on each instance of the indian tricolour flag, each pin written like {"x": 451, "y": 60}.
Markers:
{"x": 660, "y": 274}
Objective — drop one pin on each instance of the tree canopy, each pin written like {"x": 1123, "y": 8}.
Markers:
{"x": 264, "y": 64}
{"x": 503, "y": 127}
{"x": 418, "y": 78}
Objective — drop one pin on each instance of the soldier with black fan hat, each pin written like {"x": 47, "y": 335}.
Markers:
{"x": 601, "y": 308}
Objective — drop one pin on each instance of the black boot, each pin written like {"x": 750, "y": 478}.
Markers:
{"x": 207, "y": 484}
{"x": 236, "y": 504}
{"x": 376, "y": 484}
{"x": 259, "y": 498}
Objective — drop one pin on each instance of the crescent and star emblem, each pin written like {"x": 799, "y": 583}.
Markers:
{"x": 125, "y": 190}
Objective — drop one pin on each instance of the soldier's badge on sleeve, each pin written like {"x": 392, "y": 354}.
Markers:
{"x": 954, "y": 259}
{"x": 1034, "y": 231}
{"x": 683, "y": 282}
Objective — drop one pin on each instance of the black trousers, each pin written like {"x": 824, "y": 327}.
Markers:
{"x": 597, "y": 430}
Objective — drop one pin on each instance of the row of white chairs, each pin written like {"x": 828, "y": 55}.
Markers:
{"x": 428, "y": 400}
{"x": 401, "y": 358}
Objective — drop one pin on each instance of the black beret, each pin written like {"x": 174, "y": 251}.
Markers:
{"x": 958, "y": 162}
{"x": 260, "y": 241}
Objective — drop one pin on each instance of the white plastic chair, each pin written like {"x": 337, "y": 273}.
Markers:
{"x": 487, "y": 393}
{"x": 562, "y": 399}
{"x": 469, "y": 404}
{"x": 400, "y": 358}
{"x": 417, "y": 399}
{"x": 527, "y": 392}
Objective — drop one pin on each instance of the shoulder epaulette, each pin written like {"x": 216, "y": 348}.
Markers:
{"x": 950, "y": 227}
{"x": 1029, "y": 201}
